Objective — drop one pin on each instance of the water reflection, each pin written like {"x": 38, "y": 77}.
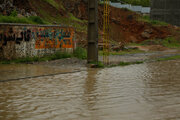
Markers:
{"x": 90, "y": 95}
{"x": 136, "y": 92}
{"x": 14, "y": 71}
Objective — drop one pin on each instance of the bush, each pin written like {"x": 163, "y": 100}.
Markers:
{"x": 36, "y": 19}
{"x": 80, "y": 53}
{"x": 147, "y": 19}
{"x": 14, "y": 13}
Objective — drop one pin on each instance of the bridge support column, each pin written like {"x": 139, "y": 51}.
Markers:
{"x": 92, "y": 31}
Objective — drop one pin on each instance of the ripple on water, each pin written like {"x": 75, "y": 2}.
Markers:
{"x": 139, "y": 92}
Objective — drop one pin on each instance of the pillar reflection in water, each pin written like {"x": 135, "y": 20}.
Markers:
{"x": 90, "y": 94}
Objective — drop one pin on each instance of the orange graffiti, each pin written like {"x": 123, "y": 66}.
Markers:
{"x": 56, "y": 38}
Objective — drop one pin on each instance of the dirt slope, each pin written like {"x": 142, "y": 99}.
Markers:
{"x": 124, "y": 26}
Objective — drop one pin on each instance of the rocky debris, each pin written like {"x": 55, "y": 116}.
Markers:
{"x": 118, "y": 47}
{"x": 131, "y": 48}
{"x": 150, "y": 31}
{"x": 126, "y": 27}
{"x": 78, "y": 8}
{"x": 145, "y": 35}
{"x": 7, "y": 6}
{"x": 133, "y": 39}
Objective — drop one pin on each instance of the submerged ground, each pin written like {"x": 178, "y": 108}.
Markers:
{"x": 145, "y": 91}
{"x": 141, "y": 85}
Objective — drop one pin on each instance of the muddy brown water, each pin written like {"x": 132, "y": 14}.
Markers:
{"x": 149, "y": 91}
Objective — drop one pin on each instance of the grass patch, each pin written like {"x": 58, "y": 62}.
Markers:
{"x": 37, "y": 20}
{"x": 169, "y": 42}
{"x": 11, "y": 19}
{"x": 53, "y": 3}
{"x": 98, "y": 64}
{"x": 80, "y": 53}
{"x": 147, "y": 19}
{"x": 169, "y": 58}
{"x": 126, "y": 63}
{"x": 58, "y": 55}
{"x": 47, "y": 18}
{"x": 26, "y": 20}
{"x": 80, "y": 25}
{"x": 72, "y": 17}
{"x": 131, "y": 51}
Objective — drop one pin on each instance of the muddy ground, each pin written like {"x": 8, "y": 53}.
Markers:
{"x": 78, "y": 64}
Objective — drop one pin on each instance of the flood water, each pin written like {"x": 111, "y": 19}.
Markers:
{"x": 149, "y": 91}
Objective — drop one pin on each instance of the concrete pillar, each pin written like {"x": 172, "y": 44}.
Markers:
{"x": 92, "y": 31}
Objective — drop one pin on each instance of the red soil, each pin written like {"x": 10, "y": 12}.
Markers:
{"x": 124, "y": 27}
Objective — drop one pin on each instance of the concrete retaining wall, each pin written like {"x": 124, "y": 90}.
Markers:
{"x": 166, "y": 10}
{"x": 20, "y": 40}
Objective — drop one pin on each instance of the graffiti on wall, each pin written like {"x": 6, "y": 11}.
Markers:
{"x": 22, "y": 41}
{"x": 53, "y": 38}
{"x": 44, "y": 37}
{"x": 14, "y": 35}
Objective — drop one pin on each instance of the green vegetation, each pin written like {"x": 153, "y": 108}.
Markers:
{"x": 47, "y": 18}
{"x": 53, "y": 3}
{"x": 80, "y": 53}
{"x": 14, "y": 13}
{"x": 58, "y": 55}
{"x": 169, "y": 42}
{"x": 169, "y": 58}
{"x": 37, "y": 20}
{"x": 126, "y": 63}
{"x": 71, "y": 20}
{"x": 13, "y": 18}
{"x": 72, "y": 17}
{"x": 144, "y": 3}
{"x": 25, "y": 20}
{"x": 147, "y": 19}
{"x": 131, "y": 51}
{"x": 98, "y": 64}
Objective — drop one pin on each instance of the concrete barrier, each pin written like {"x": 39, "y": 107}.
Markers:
{"x": 139, "y": 9}
{"x": 21, "y": 40}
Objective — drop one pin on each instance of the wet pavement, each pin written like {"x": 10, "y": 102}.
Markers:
{"x": 147, "y": 56}
{"x": 149, "y": 91}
